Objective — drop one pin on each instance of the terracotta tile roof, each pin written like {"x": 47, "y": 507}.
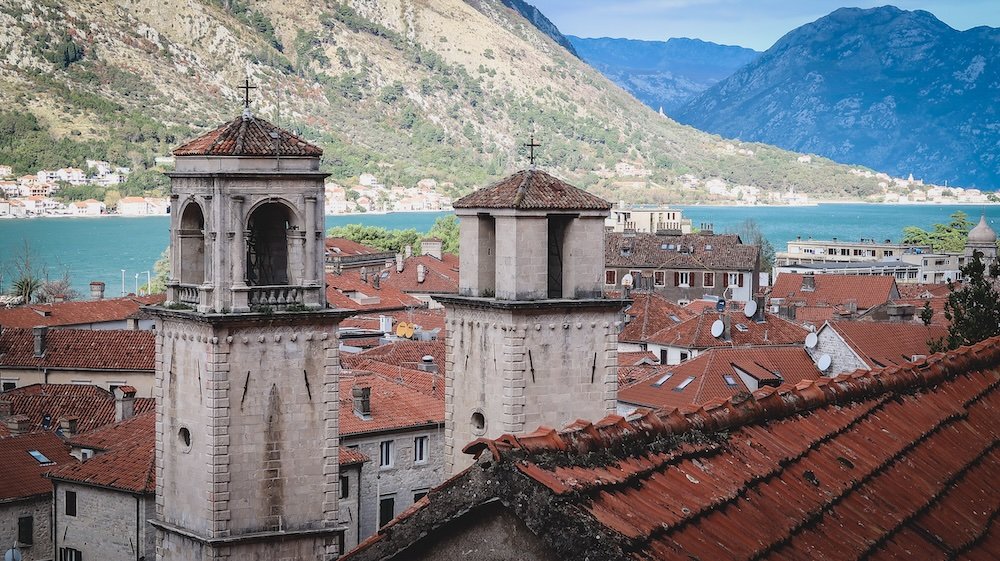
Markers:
{"x": 79, "y": 349}
{"x": 637, "y": 357}
{"x": 344, "y": 246}
{"x": 352, "y": 456}
{"x": 716, "y": 375}
{"x": 76, "y": 313}
{"x": 924, "y": 291}
{"x": 340, "y": 286}
{"x": 701, "y": 306}
{"x": 651, "y": 312}
{"x": 628, "y": 376}
{"x": 866, "y": 291}
{"x": 93, "y": 406}
{"x": 696, "y": 333}
{"x": 531, "y": 190}
{"x": 427, "y": 319}
{"x": 937, "y": 304}
{"x": 440, "y": 276}
{"x": 23, "y": 474}
{"x": 407, "y": 354}
{"x": 248, "y": 137}
{"x": 424, "y": 382}
{"x": 887, "y": 344}
{"x": 394, "y": 406}
{"x": 898, "y": 463}
{"x": 127, "y": 462}
{"x": 719, "y": 252}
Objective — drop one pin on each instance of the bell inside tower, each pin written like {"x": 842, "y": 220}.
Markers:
{"x": 268, "y": 245}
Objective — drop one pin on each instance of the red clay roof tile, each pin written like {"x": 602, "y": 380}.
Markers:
{"x": 532, "y": 190}
{"x": 718, "y": 252}
{"x": 83, "y": 349}
{"x": 126, "y": 460}
{"x": 832, "y": 290}
{"x": 248, "y": 137}
{"x": 394, "y": 406}
{"x": 696, "y": 333}
{"x": 888, "y": 344}
{"x": 352, "y": 456}
{"x": 67, "y": 314}
{"x": 23, "y": 474}
{"x": 650, "y": 312}
{"x": 92, "y": 406}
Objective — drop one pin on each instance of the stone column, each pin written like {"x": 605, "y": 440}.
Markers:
{"x": 310, "y": 256}
{"x": 238, "y": 248}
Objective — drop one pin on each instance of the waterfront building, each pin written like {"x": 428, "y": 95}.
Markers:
{"x": 840, "y": 251}
{"x": 647, "y": 219}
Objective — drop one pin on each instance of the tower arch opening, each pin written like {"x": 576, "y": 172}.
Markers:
{"x": 269, "y": 244}
{"x": 191, "y": 265}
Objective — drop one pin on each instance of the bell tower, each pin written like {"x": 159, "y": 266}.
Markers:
{"x": 246, "y": 354}
{"x": 530, "y": 339}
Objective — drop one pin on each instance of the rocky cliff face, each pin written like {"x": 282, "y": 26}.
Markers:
{"x": 894, "y": 90}
{"x": 663, "y": 74}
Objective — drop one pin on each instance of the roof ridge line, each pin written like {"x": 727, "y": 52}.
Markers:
{"x": 763, "y": 404}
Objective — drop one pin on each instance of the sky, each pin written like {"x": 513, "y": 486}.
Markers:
{"x": 756, "y": 24}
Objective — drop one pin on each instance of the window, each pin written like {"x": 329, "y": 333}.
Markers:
{"x": 386, "y": 509}
{"x": 25, "y": 530}
{"x": 709, "y": 280}
{"x": 662, "y": 379}
{"x": 70, "y": 503}
{"x": 684, "y": 356}
{"x": 9, "y": 385}
{"x": 40, "y": 458}
{"x": 684, "y": 279}
{"x": 887, "y": 253}
{"x": 735, "y": 279}
{"x": 417, "y": 495}
{"x": 420, "y": 450}
{"x": 663, "y": 356}
{"x": 385, "y": 454}
{"x": 659, "y": 278}
{"x": 845, "y": 251}
{"x": 687, "y": 382}
{"x": 611, "y": 277}
{"x": 70, "y": 554}
{"x": 345, "y": 486}
{"x": 730, "y": 380}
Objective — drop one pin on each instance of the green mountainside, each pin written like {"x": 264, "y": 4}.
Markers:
{"x": 404, "y": 89}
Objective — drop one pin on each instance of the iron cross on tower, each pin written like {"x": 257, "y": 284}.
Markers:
{"x": 246, "y": 87}
{"x": 531, "y": 145}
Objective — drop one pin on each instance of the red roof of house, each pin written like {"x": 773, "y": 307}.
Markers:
{"x": 923, "y": 291}
{"x": 628, "y": 376}
{"x": 888, "y": 344}
{"x": 898, "y": 463}
{"x": 866, "y": 291}
{"x": 128, "y": 459}
{"x": 427, "y": 319}
{"x": 715, "y": 374}
{"x": 407, "y": 354}
{"x": 636, "y": 357}
{"x": 83, "y": 349}
{"x": 696, "y": 333}
{"x": 532, "y": 189}
{"x": 440, "y": 275}
{"x": 694, "y": 252}
{"x": 394, "y": 406}
{"x": 93, "y": 406}
{"x": 344, "y": 246}
{"x": 22, "y": 474}
{"x": 429, "y": 383}
{"x": 352, "y": 456}
{"x": 651, "y": 312}
{"x": 76, "y": 313}
{"x": 248, "y": 137}
{"x": 338, "y": 286}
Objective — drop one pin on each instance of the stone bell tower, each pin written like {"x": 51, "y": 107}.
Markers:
{"x": 530, "y": 339}
{"x": 246, "y": 354}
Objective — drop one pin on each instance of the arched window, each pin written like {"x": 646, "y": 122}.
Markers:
{"x": 192, "y": 240}
{"x": 268, "y": 245}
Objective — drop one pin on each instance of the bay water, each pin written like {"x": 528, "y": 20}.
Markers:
{"x": 100, "y": 248}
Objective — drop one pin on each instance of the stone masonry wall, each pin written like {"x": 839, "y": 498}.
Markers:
{"x": 842, "y": 357}
{"x": 40, "y": 509}
{"x": 105, "y": 525}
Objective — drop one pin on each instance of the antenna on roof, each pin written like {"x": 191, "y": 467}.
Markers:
{"x": 717, "y": 328}
{"x": 811, "y": 340}
{"x": 750, "y": 308}
{"x": 824, "y": 362}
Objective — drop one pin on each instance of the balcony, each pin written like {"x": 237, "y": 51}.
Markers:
{"x": 275, "y": 297}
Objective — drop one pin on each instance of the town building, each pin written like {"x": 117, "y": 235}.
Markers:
{"x": 897, "y": 463}
{"x": 104, "y": 358}
{"x": 813, "y": 299}
{"x": 683, "y": 267}
{"x": 647, "y": 219}
{"x": 853, "y": 345}
{"x": 840, "y": 251}
{"x": 342, "y": 254}
{"x": 99, "y": 313}
{"x": 530, "y": 338}
{"x": 247, "y": 371}
{"x": 61, "y": 408}
{"x": 982, "y": 239}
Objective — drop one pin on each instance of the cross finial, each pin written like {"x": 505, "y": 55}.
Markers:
{"x": 246, "y": 87}
{"x": 531, "y": 145}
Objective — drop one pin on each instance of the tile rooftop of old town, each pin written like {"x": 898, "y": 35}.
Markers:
{"x": 22, "y": 473}
{"x": 84, "y": 349}
{"x": 125, "y": 459}
{"x": 394, "y": 405}
{"x": 888, "y": 343}
{"x": 696, "y": 333}
{"x": 248, "y": 137}
{"x": 865, "y": 291}
{"x": 92, "y": 406}
{"x": 894, "y": 463}
{"x": 650, "y": 312}
{"x": 76, "y": 313}
{"x": 697, "y": 252}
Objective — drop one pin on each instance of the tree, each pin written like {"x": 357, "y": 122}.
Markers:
{"x": 377, "y": 237}
{"x": 53, "y": 290}
{"x": 973, "y": 309}
{"x": 927, "y": 313}
{"x": 446, "y": 229}
{"x": 161, "y": 269}
{"x": 950, "y": 237}
{"x": 749, "y": 232}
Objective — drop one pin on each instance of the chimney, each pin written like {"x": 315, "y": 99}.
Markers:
{"x": 421, "y": 272}
{"x": 432, "y": 247}
{"x": 399, "y": 262}
{"x": 362, "y": 402}
{"x": 385, "y": 324}
{"x": 18, "y": 424}
{"x": 808, "y": 282}
{"x": 408, "y": 251}
{"x": 124, "y": 403}
{"x": 97, "y": 290}
{"x": 40, "y": 334}
{"x": 59, "y": 298}
{"x": 727, "y": 330}
{"x": 364, "y": 274}
{"x": 5, "y": 409}
{"x": 376, "y": 280}
{"x": 68, "y": 426}
{"x": 427, "y": 364}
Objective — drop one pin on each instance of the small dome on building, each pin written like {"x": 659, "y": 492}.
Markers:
{"x": 982, "y": 233}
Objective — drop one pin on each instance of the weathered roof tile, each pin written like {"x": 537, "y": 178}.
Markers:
{"x": 248, "y": 137}
{"x": 532, "y": 190}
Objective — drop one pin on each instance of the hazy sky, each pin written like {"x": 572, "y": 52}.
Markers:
{"x": 749, "y": 23}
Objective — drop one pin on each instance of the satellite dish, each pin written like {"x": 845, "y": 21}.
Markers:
{"x": 627, "y": 280}
{"x": 824, "y": 362}
{"x": 811, "y": 340}
{"x": 12, "y": 554}
{"x": 410, "y": 328}
{"x": 720, "y": 305}
{"x": 401, "y": 329}
{"x": 717, "y": 328}
{"x": 750, "y": 309}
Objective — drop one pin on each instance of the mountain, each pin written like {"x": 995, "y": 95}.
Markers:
{"x": 404, "y": 89}
{"x": 542, "y": 23}
{"x": 662, "y": 74}
{"x": 894, "y": 90}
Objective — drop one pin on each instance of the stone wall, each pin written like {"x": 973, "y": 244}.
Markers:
{"x": 108, "y": 524}
{"x": 515, "y": 370}
{"x": 843, "y": 359}
{"x": 403, "y": 479}
{"x": 40, "y": 509}
{"x": 348, "y": 508}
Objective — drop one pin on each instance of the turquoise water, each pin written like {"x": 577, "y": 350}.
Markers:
{"x": 99, "y": 248}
